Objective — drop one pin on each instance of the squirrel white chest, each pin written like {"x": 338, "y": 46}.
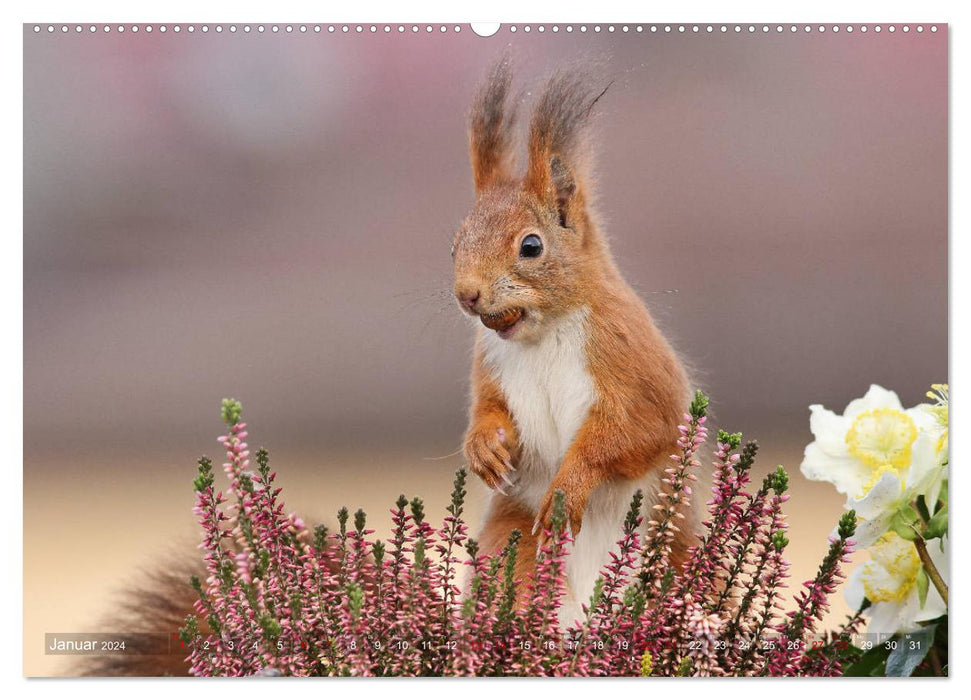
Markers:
{"x": 549, "y": 391}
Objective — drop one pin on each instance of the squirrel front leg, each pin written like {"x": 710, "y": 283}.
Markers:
{"x": 491, "y": 444}
{"x": 602, "y": 450}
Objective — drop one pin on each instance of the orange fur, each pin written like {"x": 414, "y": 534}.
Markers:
{"x": 505, "y": 515}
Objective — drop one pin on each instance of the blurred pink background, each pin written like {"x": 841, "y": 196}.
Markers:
{"x": 268, "y": 217}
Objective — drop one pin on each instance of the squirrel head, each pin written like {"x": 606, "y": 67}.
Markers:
{"x": 529, "y": 250}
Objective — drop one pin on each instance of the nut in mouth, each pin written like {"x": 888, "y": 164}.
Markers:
{"x": 503, "y": 320}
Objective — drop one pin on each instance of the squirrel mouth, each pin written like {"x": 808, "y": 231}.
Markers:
{"x": 502, "y": 321}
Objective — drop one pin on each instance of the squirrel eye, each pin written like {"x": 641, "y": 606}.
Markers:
{"x": 531, "y": 247}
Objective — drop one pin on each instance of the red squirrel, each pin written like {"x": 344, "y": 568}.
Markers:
{"x": 573, "y": 386}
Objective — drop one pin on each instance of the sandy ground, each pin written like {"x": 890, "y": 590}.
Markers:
{"x": 89, "y": 528}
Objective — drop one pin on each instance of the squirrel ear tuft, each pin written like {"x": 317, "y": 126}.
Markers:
{"x": 559, "y": 158}
{"x": 490, "y": 129}
{"x": 564, "y": 187}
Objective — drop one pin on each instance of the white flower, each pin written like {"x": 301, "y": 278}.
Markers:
{"x": 889, "y": 580}
{"x": 878, "y": 454}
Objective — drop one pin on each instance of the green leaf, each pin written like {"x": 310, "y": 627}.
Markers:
{"x": 905, "y": 531}
{"x": 685, "y": 668}
{"x": 937, "y": 527}
{"x": 558, "y": 519}
{"x": 699, "y": 406}
{"x": 871, "y": 663}
{"x": 232, "y": 410}
{"x": 911, "y": 650}
{"x": 647, "y": 664}
{"x": 271, "y": 628}
{"x": 903, "y": 523}
{"x": 847, "y": 524}
{"x": 204, "y": 479}
{"x": 598, "y": 590}
{"x": 733, "y": 440}
{"x": 666, "y": 580}
{"x": 355, "y": 600}
{"x": 923, "y": 582}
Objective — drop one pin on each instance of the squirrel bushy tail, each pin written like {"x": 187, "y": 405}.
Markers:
{"x": 157, "y": 605}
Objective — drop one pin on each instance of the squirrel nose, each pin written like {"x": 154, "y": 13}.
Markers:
{"x": 468, "y": 299}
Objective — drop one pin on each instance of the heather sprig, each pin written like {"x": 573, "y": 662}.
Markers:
{"x": 674, "y": 497}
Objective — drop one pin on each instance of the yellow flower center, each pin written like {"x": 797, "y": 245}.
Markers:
{"x": 892, "y": 570}
{"x": 882, "y": 439}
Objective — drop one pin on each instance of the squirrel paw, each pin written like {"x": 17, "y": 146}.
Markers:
{"x": 489, "y": 459}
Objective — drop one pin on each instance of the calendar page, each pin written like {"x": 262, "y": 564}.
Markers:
{"x": 514, "y": 349}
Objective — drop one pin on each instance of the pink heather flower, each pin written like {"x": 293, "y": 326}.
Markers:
{"x": 703, "y": 634}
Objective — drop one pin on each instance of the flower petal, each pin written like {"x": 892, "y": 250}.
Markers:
{"x": 868, "y": 531}
{"x": 829, "y": 430}
{"x": 925, "y": 467}
{"x": 885, "y": 618}
{"x": 933, "y": 608}
{"x": 938, "y": 550}
{"x": 908, "y": 612}
{"x": 883, "y": 497}
{"x": 853, "y": 590}
{"x": 845, "y": 473}
{"x": 923, "y": 417}
{"x": 875, "y": 397}
{"x": 933, "y": 493}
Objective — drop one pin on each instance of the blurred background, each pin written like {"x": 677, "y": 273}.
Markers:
{"x": 268, "y": 217}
